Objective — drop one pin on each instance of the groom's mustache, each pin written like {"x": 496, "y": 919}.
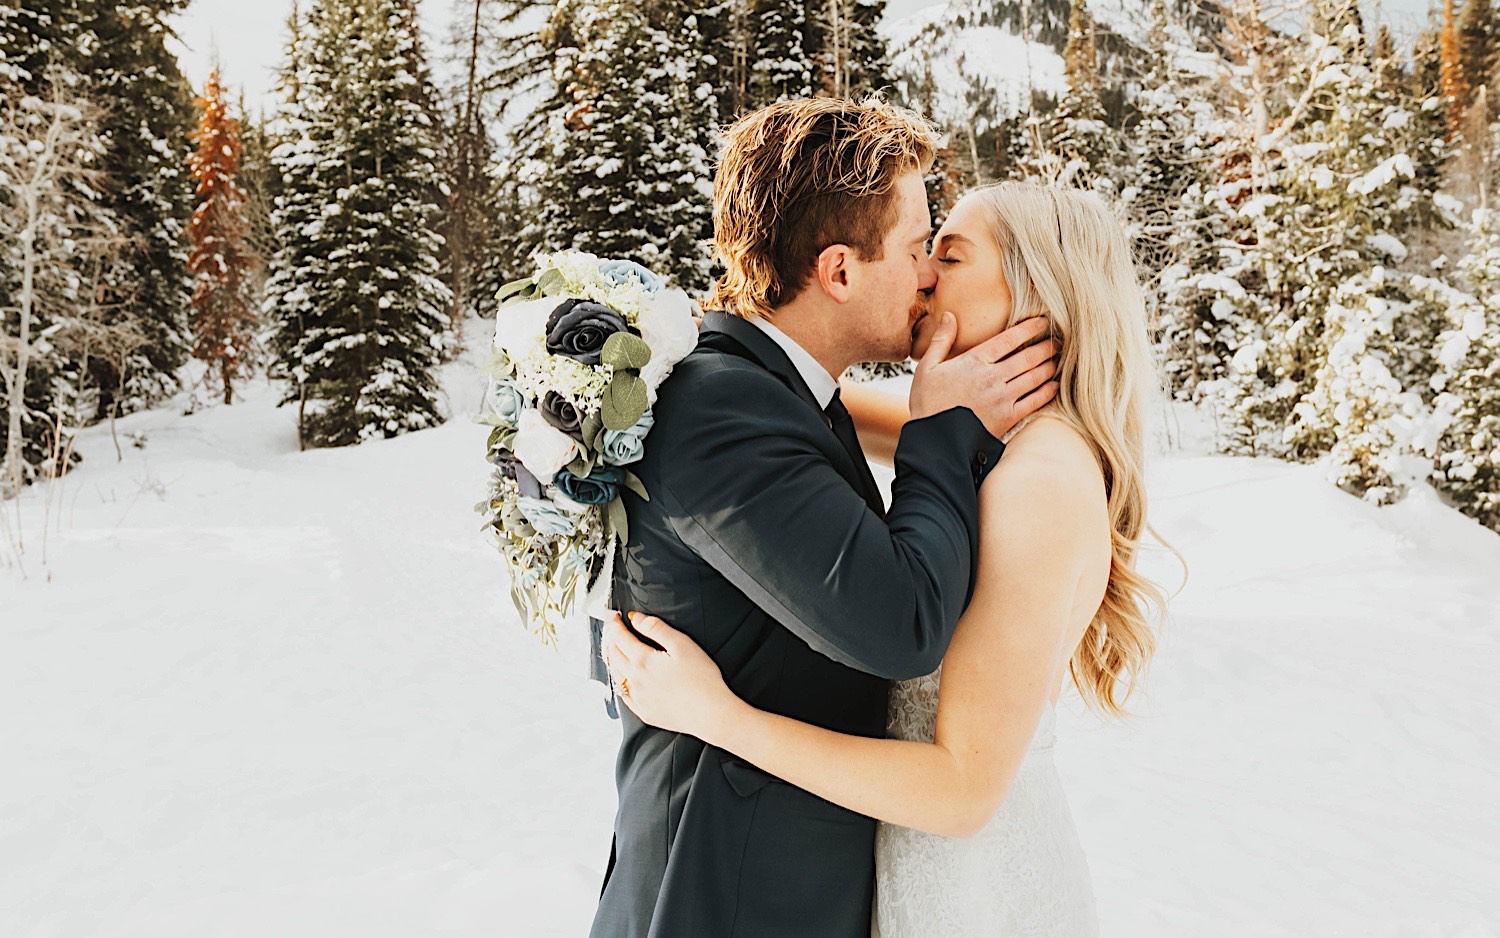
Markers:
{"x": 917, "y": 313}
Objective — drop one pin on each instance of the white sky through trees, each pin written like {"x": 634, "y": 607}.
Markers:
{"x": 250, "y": 38}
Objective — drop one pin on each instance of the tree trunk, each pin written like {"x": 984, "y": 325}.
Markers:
{"x": 467, "y": 184}
{"x": 10, "y": 471}
{"x": 114, "y": 437}
{"x": 838, "y": 47}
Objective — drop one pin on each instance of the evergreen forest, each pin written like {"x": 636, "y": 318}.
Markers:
{"x": 1307, "y": 194}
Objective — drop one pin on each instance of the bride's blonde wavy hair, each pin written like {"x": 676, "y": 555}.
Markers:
{"x": 1065, "y": 258}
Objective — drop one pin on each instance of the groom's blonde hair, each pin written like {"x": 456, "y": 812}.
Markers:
{"x": 798, "y": 176}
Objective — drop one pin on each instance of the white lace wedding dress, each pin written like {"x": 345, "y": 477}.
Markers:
{"x": 1024, "y": 874}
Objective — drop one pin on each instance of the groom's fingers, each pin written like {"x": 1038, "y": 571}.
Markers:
{"x": 1028, "y": 381}
{"x": 1018, "y": 336}
{"x": 1029, "y": 359}
{"x": 1036, "y": 400}
{"x": 941, "y": 342}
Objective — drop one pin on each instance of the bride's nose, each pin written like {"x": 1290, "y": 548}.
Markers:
{"x": 926, "y": 275}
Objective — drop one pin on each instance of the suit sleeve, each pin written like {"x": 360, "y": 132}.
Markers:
{"x": 748, "y": 484}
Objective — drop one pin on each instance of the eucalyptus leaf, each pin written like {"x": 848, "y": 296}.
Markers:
{"x": 624, "y": 350}
{"x": 521, "y": 601}
{"x": 633, "y": 482}
{"x": 593, "y": 433}
{"x": 499, "y": 365}
{"x": 624, "y": 401}
{"x": 619, "y": 521}
{"x": 517, "y": 290}
{"x": 582, "y": 464}
{"x": 551, "y": 282}
{"x": 583, "y": 447}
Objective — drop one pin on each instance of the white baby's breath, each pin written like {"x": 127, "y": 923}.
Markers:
{"x": 581, "y": 279}
{"x": 538, "y": 371}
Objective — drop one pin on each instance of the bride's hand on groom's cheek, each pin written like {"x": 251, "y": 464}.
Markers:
{"x": 677, "y": 688}
{"x": 1003, "y": 380}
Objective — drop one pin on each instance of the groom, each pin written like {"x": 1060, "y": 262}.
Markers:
{"x": 766, "y": 539}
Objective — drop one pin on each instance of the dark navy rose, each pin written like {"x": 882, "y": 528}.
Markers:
{"x": 560, "y": 412}
{"x": 577, "y": 329}
{"x": 600, "y": 488}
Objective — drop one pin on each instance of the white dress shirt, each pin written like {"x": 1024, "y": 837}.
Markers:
{"x": 818, "y": 380}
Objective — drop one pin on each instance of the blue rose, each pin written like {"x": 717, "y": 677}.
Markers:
{"x": 622, "y": 272}
{"x": 623, "y": 447}
{"x": 600, "y": 488}
{"x": 546, "y": 517}
{"x": 505, "y": 401}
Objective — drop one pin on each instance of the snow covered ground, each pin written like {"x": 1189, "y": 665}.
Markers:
{"x": 260, "y": 692}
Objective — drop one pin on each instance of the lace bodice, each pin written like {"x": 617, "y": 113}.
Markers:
{"x": 1024, "y": 874}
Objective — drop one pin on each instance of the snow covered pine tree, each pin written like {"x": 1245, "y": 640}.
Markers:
{"x": 354, "y": 294}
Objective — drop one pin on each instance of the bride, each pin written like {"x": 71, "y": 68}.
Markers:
{"x": 977, "y": 837}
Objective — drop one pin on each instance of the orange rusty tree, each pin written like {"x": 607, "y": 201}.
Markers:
{"x": 222, "y": 262}
{"x": 1455, "y": 85}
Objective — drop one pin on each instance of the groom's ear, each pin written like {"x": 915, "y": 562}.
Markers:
{"x": 832, "y": 271}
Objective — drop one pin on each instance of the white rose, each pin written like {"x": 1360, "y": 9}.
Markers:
{"x": 519, "y": 326}
{"x": 666, "y": 323}
{"x": 542, "y": 448}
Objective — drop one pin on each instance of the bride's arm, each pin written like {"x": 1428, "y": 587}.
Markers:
{"x": 878, "y": 418}
{"x": 1035, "y": 534}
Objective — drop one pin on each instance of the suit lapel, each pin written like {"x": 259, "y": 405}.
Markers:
{"x": 721, "y": 331}
{"x": 762, "y": 348}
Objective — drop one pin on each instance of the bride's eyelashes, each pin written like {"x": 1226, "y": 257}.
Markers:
{"x": 947, "y": 260}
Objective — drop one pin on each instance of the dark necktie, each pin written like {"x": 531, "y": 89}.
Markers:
{"x": 843, "y": 428}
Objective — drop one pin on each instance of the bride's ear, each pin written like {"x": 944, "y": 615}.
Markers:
{"x": 832, "y": 271}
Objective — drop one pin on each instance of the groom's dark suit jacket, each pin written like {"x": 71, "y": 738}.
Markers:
{"x": 765, "y": 543}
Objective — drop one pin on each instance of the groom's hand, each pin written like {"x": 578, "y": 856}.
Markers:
{"x": 1003, "y": 380}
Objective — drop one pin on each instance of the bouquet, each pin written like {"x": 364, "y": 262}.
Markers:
{"x": 580, "y": 349}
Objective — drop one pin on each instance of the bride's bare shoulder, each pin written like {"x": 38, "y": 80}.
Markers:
{"x": 1049, "y": 460}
